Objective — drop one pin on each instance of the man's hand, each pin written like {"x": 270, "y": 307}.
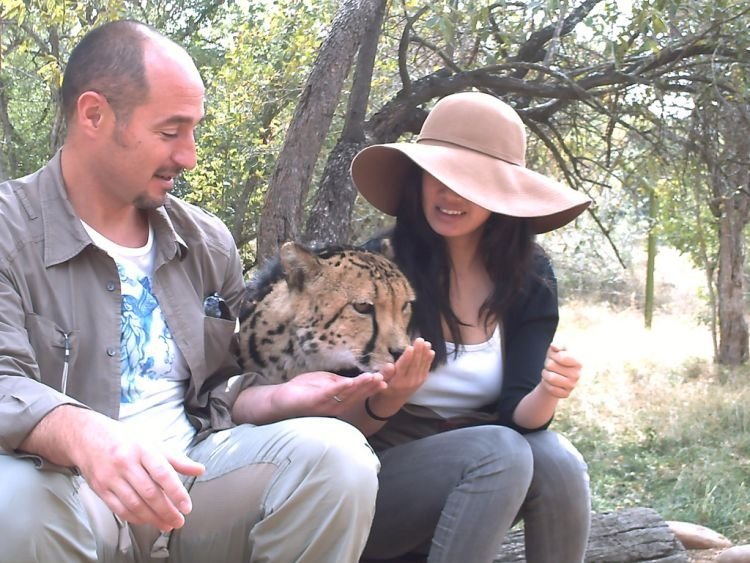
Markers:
{"x": 321, "y": 393}
{"x": 136, "y": 479}
{"x": 317, "y": 393}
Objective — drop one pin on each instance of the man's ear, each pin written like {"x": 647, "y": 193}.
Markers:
{"x": 92, "y": 111}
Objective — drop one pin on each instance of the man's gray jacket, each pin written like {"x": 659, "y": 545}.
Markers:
{"x": 60, "y": 307}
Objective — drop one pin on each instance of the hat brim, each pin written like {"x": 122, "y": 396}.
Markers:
{"x": 379, "y": 172}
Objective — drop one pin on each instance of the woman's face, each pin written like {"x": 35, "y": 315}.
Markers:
{"x": 449, "y": 214}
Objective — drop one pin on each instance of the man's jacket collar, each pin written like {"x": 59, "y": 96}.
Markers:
{"x": 65, "y": 236}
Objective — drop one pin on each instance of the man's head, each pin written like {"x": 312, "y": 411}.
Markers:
{"x": 132, "y": 99}
{"x": 108, "y": 60}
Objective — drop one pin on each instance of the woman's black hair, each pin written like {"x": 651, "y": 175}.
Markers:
{"x": 507, "y": 248}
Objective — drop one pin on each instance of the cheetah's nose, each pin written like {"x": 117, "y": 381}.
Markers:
{"x": 396, "y": 353}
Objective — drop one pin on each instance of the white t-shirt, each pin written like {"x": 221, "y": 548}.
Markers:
{"x": 154, "y": 375}
{"x": 466, "y": 382}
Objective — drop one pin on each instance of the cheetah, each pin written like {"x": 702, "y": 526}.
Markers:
{"x": 344, "y": 310}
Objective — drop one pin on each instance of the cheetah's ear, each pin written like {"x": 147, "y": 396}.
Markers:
{"x": 386, "y": 248}
{"x": 381, "y": 245}
{"x": 299, "y": 264}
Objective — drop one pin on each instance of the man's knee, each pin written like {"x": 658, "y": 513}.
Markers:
{"x": 333, "y": 457}
{"x": 309, "y": 454}
{"x": 339, "y": 454}
{"x": 320, "y": 436}
{"x": 27, "y": 493}
{"x": 314, "y": 476}
{"x": 41, "y": 515}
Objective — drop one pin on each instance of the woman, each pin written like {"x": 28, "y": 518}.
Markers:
{"x": 465, "y": 450}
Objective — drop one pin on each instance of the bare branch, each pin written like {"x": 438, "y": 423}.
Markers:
{"x": 533, "y": 49}
{"x": 403, "y": 47}
{"x": 439, "y": 52}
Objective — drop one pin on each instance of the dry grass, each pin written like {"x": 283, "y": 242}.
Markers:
{"x": 659, "y": 425}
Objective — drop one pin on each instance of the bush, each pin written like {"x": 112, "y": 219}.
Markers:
{"x": 657, "y": 422}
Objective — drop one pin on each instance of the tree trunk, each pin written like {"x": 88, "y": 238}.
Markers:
{"x": 733, "y": 331}
{"x": 721, "y": 139}
{"x": 709, "y": 268}
{"x": 57, "y": 134}
{"x": 330, "y": 215}
{"x": 648, "y": 301}
{"x": 329, "y": 220}
{"x": 282, "y": 211}
{"x": 3, "y": 175}
{"x": 731, "y": 180}
{"x": 9, "y": 139}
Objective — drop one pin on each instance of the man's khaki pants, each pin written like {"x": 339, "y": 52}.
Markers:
{"x": 299, "y": 490}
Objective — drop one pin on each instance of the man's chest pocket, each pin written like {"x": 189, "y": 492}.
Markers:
{"x": 218, "y": 336}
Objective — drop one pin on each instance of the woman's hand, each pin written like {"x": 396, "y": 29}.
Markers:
{"x": 560, "y": 375}
{"x": 561, "y": 372}
{"x": 403, "y": 378}
{"x": 409, "y": 372}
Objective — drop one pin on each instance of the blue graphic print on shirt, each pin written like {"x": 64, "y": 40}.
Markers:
{"x": 146, "y": 345}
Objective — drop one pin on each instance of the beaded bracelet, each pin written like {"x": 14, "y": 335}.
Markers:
{"x": 371, "y": 414}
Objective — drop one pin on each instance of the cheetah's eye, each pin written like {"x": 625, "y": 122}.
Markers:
{"x": 363, "y": 307}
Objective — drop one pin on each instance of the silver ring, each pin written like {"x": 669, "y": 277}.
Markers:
{"x": 337, "y": 399}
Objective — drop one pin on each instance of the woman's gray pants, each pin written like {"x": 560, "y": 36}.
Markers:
{"x": 455, "y": 495}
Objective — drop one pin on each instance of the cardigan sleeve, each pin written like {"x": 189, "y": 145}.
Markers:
{"x": 529, "y": 327}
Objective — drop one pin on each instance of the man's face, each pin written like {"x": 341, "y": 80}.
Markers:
{"x": 146, "y": 151}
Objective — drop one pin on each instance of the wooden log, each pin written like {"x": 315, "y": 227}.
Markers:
{"x": 634, "y": 535}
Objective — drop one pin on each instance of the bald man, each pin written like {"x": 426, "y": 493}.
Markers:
{"x": 121, "y": 434}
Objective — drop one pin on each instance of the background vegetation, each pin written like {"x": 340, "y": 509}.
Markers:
{"x": 658, "y": 422}
{"x": 642, "y": 105}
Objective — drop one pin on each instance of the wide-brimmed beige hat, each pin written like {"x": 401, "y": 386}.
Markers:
{"x": 476, "y": 145}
